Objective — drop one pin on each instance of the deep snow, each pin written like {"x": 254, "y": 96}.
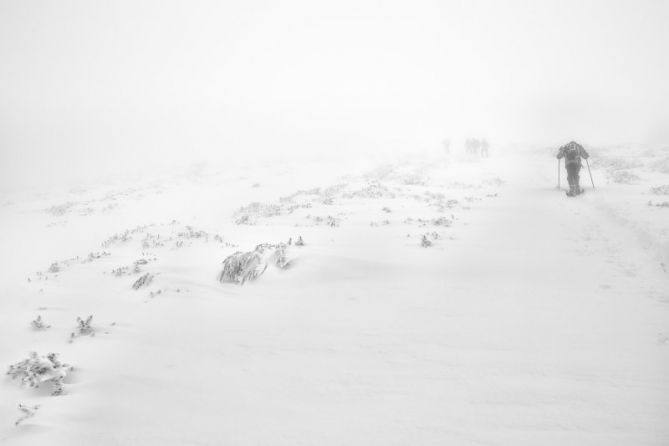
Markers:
{"x": 532, "y": 319}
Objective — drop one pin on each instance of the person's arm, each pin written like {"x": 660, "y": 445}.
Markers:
{"x": 560, "y": 153}
{"x": 584, "y": 154}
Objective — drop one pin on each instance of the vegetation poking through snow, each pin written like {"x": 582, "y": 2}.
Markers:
{"x": 152, "y": 241}
{"x": 26, "y": 412}
{"x": 84, "y": 328}
{"x": 280, "y": 258}
{"x": 135, "y": 268}
{"x": 441, "y": 221}
{"x": 331, "y": 221}
{"x": 117, "y": 239}
{"x": 612, "y": 164}
{"x": 242, "y": 266}
{"x": 54, "y": 268}
{"x": 425, "y": 242}
{"x": 59, "y": 210}
{"x": 143, "y": 281}
{"x": 660, "y": 190}
{"x": 38, "y": 324}
{"x": 428, "y": 239}
{"x": 299, "y": 241}
{"x": 127, "y": 235}
{"x": 250, "y": 214}
{"x": 95, "y": 256}
{"x": 624, "y": 177}
{"x": 661, "y": 165}
{"x": 372, "y": 190}
{"x": 37, "y": 370}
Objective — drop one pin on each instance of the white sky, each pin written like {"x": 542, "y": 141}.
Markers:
{"x": 96, "y": 84}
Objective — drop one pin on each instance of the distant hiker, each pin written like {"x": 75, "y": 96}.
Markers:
{"x": 572, "y": 154}
{"x": 472, "y": 146}
{"x": 484, "y": 148}
{"x": 447, "y": 146}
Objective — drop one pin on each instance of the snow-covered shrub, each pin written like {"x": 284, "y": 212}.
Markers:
{"x": 328, "y": 221}
{"x": 192, "y": 233}
{"x": 120, "y": 271}
{"x": 660, "y": 190}
{"x": 38, "y": 369}
{"x": 411, "y": 179}
{"x": 245, "y": 266}
{"x": 299, "y": 241}
{"x": 613, "y": 164}
{"x": 54, "y": 268}
{"x": 372, "y": 190}
{"x": 95, "y": 256}
{"x": 428, "y": 238}
{"x": 242, "y": 266}
{"x": 248, "y": 215}
{"x": 442, "y": 221}
{"x": 624, "y": 176}
{"x": 26, "y": 412}
{"x": 153, "y": 241}
{"x": 661, "y": 165}
{"x": 59, "y": 210}
{"x": 117, "y": 238}
{"x": 84, "y": 328}
{"x": 280, "y": 258}
{"x": 143, "y": 281}
{"x": 38, "y": 324}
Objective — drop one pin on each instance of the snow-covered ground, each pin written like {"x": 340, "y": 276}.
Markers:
{"x": 530, "y": 318}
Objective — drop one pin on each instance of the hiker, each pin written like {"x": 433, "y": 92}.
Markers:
{"x": 572, "y": 154}
{"x": 484, "y": 148}
{"x": 447, "y": 146}
{"x": 472, "y": 146}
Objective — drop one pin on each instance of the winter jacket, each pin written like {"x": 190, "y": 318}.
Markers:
{"x": 572, "y": 153}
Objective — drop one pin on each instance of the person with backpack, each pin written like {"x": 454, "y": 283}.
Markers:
{"x": 573, "y": 153}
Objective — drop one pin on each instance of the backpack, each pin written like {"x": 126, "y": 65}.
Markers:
{"x": 572, "y": 154}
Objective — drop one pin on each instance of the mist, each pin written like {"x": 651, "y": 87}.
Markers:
{"x": 96, "y": 88}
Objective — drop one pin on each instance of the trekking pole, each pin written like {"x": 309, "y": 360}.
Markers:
{"x": 558, "y": 186}
{"x": 588, "y": 164}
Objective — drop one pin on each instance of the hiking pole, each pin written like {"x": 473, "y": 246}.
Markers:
{"x": 558, "y": 186}
{"x": 588, "y": 164}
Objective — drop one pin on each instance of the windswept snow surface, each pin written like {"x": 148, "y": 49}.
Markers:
{"x": 532, "y": 319}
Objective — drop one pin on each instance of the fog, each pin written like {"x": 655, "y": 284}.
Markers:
{"x": 89, "y": 87}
